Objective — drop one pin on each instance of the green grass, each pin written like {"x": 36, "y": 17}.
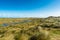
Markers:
{"x": 55, "y": 31}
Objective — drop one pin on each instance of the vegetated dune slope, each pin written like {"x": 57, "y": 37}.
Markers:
{"x": 29, "y": 28}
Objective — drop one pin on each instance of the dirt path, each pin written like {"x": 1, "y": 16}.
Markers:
{"x": 55, "y": 37}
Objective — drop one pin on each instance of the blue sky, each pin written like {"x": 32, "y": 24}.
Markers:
{"x": 29, "y": 8}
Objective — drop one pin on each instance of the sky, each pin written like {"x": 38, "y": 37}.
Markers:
{"x": 29, "y": 8}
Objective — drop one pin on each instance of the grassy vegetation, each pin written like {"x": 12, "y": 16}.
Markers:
{"x": 29, "y": 28}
